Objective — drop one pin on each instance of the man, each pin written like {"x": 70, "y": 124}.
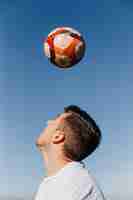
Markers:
{"x": 68, "y": 139}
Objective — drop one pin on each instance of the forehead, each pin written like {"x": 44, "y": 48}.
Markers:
{"x": 60, "y": 117}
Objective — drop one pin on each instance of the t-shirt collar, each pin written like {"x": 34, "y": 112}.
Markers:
{"x": 70, "y": 164}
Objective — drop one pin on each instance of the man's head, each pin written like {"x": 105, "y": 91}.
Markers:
{"x": 73, "y": 132}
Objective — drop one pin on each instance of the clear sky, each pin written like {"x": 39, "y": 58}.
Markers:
{"x": 32, "y": 90}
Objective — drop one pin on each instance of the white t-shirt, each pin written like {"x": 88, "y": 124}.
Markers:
{"x": 72, "y": 182}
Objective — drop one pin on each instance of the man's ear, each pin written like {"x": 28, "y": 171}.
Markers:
{"x": 58, "y": 137}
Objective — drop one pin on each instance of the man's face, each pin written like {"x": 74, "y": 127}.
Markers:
{"x": 45, "y": 137}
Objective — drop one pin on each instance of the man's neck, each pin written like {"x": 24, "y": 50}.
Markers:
{"x": 52, "y": 166}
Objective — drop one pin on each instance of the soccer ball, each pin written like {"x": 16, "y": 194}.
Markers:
{"x": 64, "y": 47}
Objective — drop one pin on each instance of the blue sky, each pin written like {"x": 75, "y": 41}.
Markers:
{"x": 33, "y": 90}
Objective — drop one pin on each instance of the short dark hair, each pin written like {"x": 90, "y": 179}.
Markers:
{"x": 84, "y": 136}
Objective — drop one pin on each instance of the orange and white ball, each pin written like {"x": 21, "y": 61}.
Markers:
{"x": 64, "y": 47}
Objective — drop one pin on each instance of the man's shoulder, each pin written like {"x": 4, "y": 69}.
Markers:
{"x": 83, "y": 176}
{"x": 81, "y": 183}
{"x": 79, "y": 179}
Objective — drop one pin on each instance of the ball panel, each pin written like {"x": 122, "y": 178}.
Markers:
{"x": 71, "y": 49}
{"x": 47, "y": 50}
{"x": 58, "y": 31}
{"x": 62, "y": 61}
{"x": 79, "y": 50}
{"x": 72, "y": 30}
{"x": 63, "y": 41}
